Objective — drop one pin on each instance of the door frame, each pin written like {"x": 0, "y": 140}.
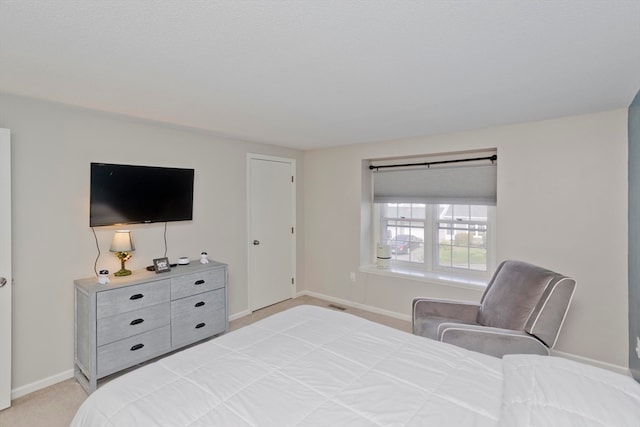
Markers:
{"x": 5, "y": 270}
{"x": 292, "y": 164}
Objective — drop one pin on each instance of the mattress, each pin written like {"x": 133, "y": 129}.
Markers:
{"x": 312, "y": 366}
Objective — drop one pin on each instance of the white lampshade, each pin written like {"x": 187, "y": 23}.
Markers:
{"x": 122, "y": 242}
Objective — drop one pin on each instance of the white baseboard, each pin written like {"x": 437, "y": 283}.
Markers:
{"x": 239, "y": 315}
{"x": 40, "y": 384}
{"x": 357, "y": 305}
{"x": 587, "y": 361}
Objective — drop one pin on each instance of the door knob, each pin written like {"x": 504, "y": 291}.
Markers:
{"x": 256, "y": 242}
{"x": 3, "y": 281}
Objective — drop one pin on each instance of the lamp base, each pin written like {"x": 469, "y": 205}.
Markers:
{"x": 122, "y": 272}
{"x": 123, "y": 256}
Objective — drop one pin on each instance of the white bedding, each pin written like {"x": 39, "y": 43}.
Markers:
{"x": 548, "y": 391}
{"x": 310, "y": 366}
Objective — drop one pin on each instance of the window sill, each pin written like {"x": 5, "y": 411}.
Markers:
{"x": 476, "y": 284}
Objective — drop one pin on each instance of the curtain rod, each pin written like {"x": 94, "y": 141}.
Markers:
{"x": 428, "y": 164}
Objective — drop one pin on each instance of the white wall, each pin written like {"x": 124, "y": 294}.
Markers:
{"x": 562, "y": 203}
{"x": 53, "y": 244}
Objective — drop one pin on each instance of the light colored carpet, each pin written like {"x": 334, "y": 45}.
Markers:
{"x": 55, "y": 406}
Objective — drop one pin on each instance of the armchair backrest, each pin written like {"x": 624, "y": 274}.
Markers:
{"x": 525, "y": 297}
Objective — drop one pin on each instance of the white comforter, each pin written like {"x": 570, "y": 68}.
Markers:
{"x": 311, "y": 366}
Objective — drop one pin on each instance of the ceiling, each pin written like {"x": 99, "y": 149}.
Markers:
{"x": 323, "y": 73}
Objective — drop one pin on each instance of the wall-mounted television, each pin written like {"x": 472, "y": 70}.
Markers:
{"x": 128, "y": 194}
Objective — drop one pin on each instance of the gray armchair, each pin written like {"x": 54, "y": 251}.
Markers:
{"x": 521, "y": 311}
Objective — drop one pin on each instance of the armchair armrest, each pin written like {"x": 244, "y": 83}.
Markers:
{"x": 427, "y": 313}
{"x": 465, "y": 311}
{"x": 493, "y": 341}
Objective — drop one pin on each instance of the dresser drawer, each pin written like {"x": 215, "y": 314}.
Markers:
{"x": 130, "y": 298}
{"x": 197, "y": 317}
{"x": 195, "y": 283}
{"x": 125, "y": 353}
{"x": 124, "y": 325}
{"x": 197, "y": 306}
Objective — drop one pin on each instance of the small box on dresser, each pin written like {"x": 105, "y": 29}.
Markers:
{"x": 136, "y": 318}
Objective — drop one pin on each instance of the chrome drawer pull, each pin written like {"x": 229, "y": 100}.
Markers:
{"x": 137, "y": 347}
{"x": 198, "y": 282}
{"x": 136, "y": 296}
{"x": 200, "y": 325}
{"x": 199, "y": 304}
{"x": 136, "y": 322}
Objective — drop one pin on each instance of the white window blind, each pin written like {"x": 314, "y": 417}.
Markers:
{"x": 470, "y": 183}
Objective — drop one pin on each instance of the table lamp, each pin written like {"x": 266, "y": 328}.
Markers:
{"x": 122, "y": 245}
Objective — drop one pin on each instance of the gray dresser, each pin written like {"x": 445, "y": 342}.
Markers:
{"x": 145, "y": 315}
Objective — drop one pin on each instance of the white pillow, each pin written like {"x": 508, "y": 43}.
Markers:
{"x": 550, "y": 391}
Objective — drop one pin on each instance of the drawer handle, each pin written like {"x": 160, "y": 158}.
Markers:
{"x": 200, "y": 325}
{"x": 136, "y": 322}
{"x": 137, "y": 347}
{"x": 199, "y": 304}
{"x": 136, "y": 296}
{"x": 198, "y": 282}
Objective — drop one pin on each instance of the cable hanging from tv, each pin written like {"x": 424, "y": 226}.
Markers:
{"x": 492, "y": 159}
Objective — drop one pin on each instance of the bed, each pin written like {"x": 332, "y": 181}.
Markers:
{"x": 313, "y": 366}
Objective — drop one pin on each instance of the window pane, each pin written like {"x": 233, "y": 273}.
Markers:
{"x": 444, "y": 255}
{"x": 479, "y": 213}
{"x": 418, "y": 211}
{"x": 417, "y": 242}
{"x": 462, "y": 241}
{"x": 460, "y": 228}
{"x": 445, "y": 212}
{"x": 461, "y": 212}
{"x": 403, "y": 230}
{"x": 387, "y": 234}
{"x": 445, "y": 233}
{"x": 478, "y": 259}
{"x": 390, "y": 210}
{"x": 478, "y": 239}
{"x": 404, "y": 210}
{"x": 460, "y": 257}
{"x": 408, "y": 244}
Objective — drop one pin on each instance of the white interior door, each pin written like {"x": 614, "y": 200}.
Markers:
{"x": 5, "y": 269}
{"x": 271, "y": 216}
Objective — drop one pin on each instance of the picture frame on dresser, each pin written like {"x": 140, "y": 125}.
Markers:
{"x": 161, "y": 265}
{"x": 143, "y": 316}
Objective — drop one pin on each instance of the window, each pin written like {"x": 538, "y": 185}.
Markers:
{"x": 462, "y": 232}
{"x": 437, "y": 212}
{"x": 438, "y": 237}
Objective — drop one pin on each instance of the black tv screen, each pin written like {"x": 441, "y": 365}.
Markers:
{"x": 126, "y": 194}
